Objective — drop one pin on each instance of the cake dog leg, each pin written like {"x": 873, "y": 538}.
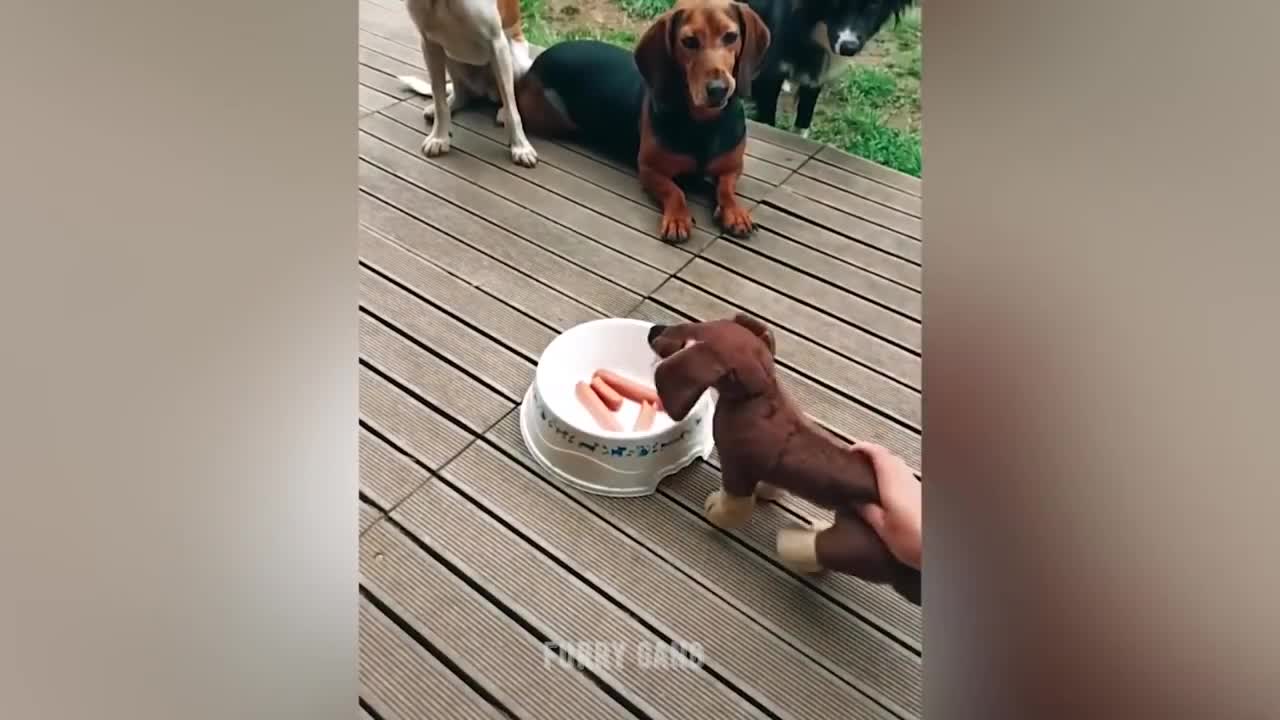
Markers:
{"x": 798, "y": 548}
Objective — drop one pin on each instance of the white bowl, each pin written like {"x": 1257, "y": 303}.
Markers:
{"x": 564, "y": 438}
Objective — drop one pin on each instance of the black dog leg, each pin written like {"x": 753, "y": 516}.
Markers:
{"x": 806, "y": 101}
{"x": 765, "y": 91}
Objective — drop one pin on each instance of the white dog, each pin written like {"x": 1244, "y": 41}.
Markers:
{"x": 482, "y": 47}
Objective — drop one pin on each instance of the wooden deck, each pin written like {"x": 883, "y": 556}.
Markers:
{"x": 472, "y": 562}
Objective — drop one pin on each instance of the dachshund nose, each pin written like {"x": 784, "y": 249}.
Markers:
{"x": 655, "y": 331}
{"x": 717, "y": 90}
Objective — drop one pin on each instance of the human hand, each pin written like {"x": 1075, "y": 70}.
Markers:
{"x": 899, "y": 516}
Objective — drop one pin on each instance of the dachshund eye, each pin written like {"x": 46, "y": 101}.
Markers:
{"x": 730, "y": 38}
{"x": 690, "y": 42}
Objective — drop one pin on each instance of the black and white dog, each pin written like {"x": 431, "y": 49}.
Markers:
{"x": 813, "y": 41}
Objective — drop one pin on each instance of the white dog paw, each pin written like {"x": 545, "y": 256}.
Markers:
{"x": 524, "y": 155}
{"x": 435, "y": 146}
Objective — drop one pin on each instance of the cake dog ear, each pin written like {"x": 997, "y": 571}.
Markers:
{"x": 682, "y": 378}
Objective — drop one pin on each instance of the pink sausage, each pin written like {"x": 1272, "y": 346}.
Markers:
{"x": 628, "y": 388}
{"x": 592, "y": 402}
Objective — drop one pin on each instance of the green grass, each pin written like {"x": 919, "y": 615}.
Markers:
{"x": 645, "y": 9}
{"x": 872, "y": 111}
{"x": 543, "y": 30}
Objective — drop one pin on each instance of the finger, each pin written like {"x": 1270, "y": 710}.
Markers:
{"x": 874, "y": 516}
{"x": 882, "y": 461}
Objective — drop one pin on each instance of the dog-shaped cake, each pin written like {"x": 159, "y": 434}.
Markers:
{"x": 768, "y": 445}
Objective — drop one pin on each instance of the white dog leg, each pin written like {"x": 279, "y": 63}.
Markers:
{"x": 437, "y": 142}
{"x": 522, "y": 152}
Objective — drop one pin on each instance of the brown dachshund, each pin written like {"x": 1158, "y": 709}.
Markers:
{"x": 768, "y": 445}
{"x": 673, "y": 106}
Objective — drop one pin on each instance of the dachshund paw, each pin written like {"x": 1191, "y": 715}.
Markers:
{"x": 798, "y": 548}
{"x": 728, "y": 511}
{"x": 765, "y": 491}
{"x": 676, "y": 227}
{"x": 435, "y": 146}
{"x": 736, "y": 220}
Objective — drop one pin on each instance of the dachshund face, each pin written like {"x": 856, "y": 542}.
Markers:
{"x": 733, "y": 356}
{"x": 709, "y": 48}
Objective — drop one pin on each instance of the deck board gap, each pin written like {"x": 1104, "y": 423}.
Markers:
{"x": 408, "y": 629}
{"x": 449, "y": 312}
{"x": 569, "y": 570}
{"x": 511, "y": 614}
{"x": 897, "y": 344}
{"x": 460, "y": 278}
{"x": 370, "y": 196}
{"x": 782, "y": 208}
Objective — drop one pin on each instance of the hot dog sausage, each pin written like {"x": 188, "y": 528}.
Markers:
{"x": 592, "y": 402}
{"x": 644, "y": 420}
{"x": 608, "y": 395}
{"x": 629, "y": 389}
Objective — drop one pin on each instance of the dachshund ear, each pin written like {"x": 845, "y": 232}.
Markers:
{"x": 761, "y": 330}
{"x": 755, "y": 42}
{"x": 653, "y": 51}
{"x": 682, "y": 378}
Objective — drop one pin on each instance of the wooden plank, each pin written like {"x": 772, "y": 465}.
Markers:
{"x": 387, "y": 65}
{"x": 866, "y": 168}
{"x": 855, "y": 228}
{"x": 440, "y": 384}
{"x": 491, "y": 648}
{"x": 478, "y": 270}
{"x": 827, "y": 632}
{"x": 849, "y": 340}
{"x": 393, "y": 5}
{"x": 444, "y": 290}
{"x": 370, "y": 100}
{"x": 387, "y": 476}
{"x": 853, "y": 419}
{"x": 764, "y": 170}
{"x": 559, "y": 200}
{"x": 813, "y": 246}
{"x": 368, "y": 515}
{"x": 782, "y": 138}
{"x": 844, "y": 180}
{"x": 400, "y": 679}
{"x": 848, "y": 306}
{"x": 855, "y": 205}
{"x": 575, "y": 283}
{"x": 382, "y": 82}
{"x": 445, "y": 336}
{"x": 779, "y": 155}
{"x": 560, "y": 606}
{"x": 501, "y": 227}
{"x": 388, "y": 24}
{"x": 780, "y": 676}
{"x": 849, "y": 278}
{"x": 407, "y": 423}
{"x": 411, "y": 56}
